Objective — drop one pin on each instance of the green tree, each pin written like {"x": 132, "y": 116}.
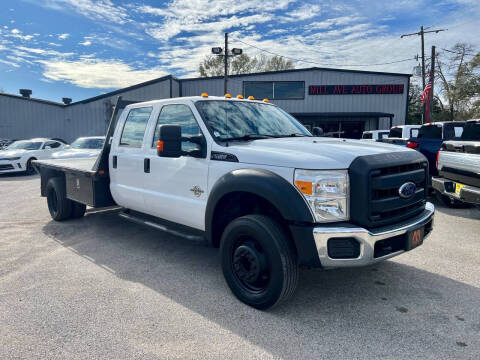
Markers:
{"x": 213, "y": 65}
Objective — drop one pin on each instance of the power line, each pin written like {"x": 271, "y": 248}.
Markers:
{"x": 459, "y": 53}
{"x": 321, "y": 64}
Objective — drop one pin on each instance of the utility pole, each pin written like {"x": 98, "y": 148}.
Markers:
{"x": 224, "y": 52}
{"x": 225, "y": 63}
{"x": 432, "y": 75}
{"x": 422, "y": 33}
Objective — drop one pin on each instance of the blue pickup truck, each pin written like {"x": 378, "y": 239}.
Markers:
{"x": 430, "y": 138}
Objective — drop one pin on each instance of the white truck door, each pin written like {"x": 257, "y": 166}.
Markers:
{"x": 126, "y": 160}
{"x": 175, "y": 188}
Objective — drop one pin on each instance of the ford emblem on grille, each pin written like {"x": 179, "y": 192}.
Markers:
{"x": 407, "y": 190}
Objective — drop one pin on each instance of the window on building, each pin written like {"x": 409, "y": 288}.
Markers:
{"x": 275, "y": 90}
{"x": 178, "y": 115}
{"x": 134, "y": 128}
{"x": 288, "y": 90}
{"x": 258, "y": 89}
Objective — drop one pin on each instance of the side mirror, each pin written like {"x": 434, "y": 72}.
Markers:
{"x": 170, "y": 141}
{"x": 317, "y": 131}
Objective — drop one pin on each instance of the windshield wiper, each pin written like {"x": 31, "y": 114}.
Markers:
{"x": 247, "y": 137}
{"x": 292, "y": 135}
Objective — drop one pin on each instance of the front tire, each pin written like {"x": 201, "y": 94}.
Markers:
{"x": 259, "y": 262}
{"x": 59, "y": 206}
{"x": 29, "y": 169}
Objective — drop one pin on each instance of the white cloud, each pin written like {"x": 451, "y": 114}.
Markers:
{"x": 104, "y": 10}
{"x": 16, "y": 33}
{"x": 63, "y": 36}
{"x": 97, "y": 73}
{"x": 86, "y": 43}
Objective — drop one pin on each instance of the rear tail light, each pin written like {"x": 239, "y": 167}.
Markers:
{"x": 436, "y": 163}
{"x": 412, "y": 144}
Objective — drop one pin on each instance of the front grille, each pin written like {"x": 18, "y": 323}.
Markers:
{"x": 375, "y": 182}
{"x": 6, "y": 167}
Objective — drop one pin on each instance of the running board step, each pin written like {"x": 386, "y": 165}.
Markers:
{"x": 139, "y": 219}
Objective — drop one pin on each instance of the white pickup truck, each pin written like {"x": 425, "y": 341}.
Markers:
{"x": 248, "y": 178}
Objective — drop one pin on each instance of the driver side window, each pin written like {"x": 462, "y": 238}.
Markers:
{"x": 178, "y": 115}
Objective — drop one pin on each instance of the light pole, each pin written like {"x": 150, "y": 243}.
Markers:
{"x": 225, "y": 53}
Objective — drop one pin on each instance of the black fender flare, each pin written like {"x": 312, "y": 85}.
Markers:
{"x": 264, "y": 183}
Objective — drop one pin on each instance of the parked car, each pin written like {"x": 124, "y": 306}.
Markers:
{"x": 430, "y": 139}
{"x": 375, "y": 135}
{"x": 245, "y": 176}
{"x": 82, "y": 147}
{"x": 5, "y": 142}
{"x": 18, "y": 156}
{"x": 459, "y": 168}
{"x": 399, "y": 135}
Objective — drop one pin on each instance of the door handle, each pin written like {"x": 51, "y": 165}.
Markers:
{"x": 146, "y": 165}
{"x": 114, "y": 161}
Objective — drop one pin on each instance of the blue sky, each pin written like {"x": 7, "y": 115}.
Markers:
{"x": 82, "y": 48}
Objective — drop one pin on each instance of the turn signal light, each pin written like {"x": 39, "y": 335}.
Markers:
{"x": 239, "y": 96}
{"x": 204, "y": 95}
{"x": 159, "y": 145}
{"x": 228, "y": 96}
{"x": 412, "y": 144}
{"x": 251, "y": 97}
{"x": 305, "y": 187}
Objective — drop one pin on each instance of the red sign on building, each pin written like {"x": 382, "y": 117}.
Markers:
{"x": 356, "y": 89}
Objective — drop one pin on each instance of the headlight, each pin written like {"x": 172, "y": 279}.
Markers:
{"x": 10, "y": 158}
{"x": 326, "y": 191}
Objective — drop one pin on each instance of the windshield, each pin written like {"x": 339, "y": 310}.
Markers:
{"x": 86, "y": 143}
{"x": 25, "y": 145}
{"x": 237, "y": 119}
{"x": 471, "y": 132}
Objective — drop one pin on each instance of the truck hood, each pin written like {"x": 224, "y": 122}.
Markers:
{"x": 306, "y": 152}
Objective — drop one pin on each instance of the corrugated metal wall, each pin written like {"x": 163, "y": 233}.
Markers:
{"x": 24, "y": 119}
{"x": 394, "y": 104}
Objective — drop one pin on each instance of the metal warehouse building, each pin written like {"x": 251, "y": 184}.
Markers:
{"x": 343, "y": 102}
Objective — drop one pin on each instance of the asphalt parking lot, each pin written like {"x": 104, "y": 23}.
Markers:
{"x": 104, "y": 288}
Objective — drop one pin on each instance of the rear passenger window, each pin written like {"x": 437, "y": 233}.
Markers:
{"x": 178, "y": 115}
{"x": 134, "y": 127}
{"x": 413, "y": 132}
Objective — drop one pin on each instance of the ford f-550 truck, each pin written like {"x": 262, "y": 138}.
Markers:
{"x": 248, "y": 178}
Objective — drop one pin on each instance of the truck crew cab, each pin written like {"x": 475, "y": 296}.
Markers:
{"x": 248, "y": 178}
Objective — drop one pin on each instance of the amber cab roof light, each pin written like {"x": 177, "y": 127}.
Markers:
{"x": 239, "y": 96}
{"x": 251, "y": 97}
{"x": 228, "y": 96}
{"x": 204, "y": 95}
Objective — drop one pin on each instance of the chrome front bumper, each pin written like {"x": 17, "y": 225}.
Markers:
{"x": 366, "y": 239}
